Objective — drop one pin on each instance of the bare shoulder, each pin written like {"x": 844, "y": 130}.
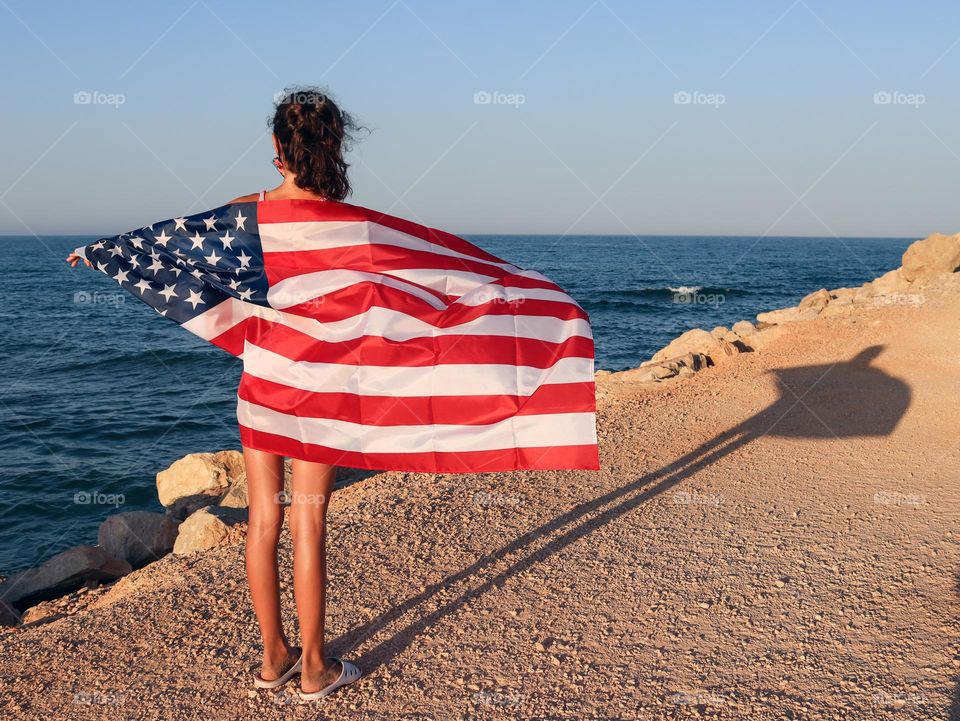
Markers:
{"x": 249, "y": 198}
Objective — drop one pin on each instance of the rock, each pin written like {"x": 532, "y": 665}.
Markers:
{"x": 744, "y": 329}
{"x": 197, "y": 480}
{"x": 724, "y": 350}
{"x": 937, "y": 255}
{"x": 817, "y": 300}
{"x": 61, "y": 574}
{"x": 8, "y": 615}
{"x": 890, "y": 282}
{"x": 787, "y": 315}
{"x": 210, "y": 527}
{"x": 654, "y": 372}
{"x": 138, "y": 537}
{"x": 696, "y": 341}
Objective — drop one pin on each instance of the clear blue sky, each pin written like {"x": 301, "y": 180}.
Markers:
{"x": 599, "y": 144}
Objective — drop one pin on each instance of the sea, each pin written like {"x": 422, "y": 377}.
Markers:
{"x": 98, "y": 393}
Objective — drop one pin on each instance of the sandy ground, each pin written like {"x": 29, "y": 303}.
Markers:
{"x": 774, "y": 538}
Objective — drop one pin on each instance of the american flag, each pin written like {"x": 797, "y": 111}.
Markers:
{"x": 369, "y": 341}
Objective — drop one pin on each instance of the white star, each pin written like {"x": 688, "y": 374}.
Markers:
{"x": 102, "y": 267}
{"x": 163, "y": 238}
{"x": 194, "y": 299}
{"x": 181, "y": 224}
{"x": 211, "y": 222}
{"x": 168, "y": 290}
{"x": 98, "y": 245}
{"x": 137, "y": 242}
{"x": 212, "y": 258}
{"x": 241, "y": 219}
{"x": 245, "y": 294}
{"x": 197, "y": 240}
{"x": 121, "y": 276}
{"x": 156, "y": 265}
{"x": 143, "y": 285}
{"x": 244, "y": 259}
{"x": 116, "y": 250}
{"x": 234, "y": 284}
{"x": 227, "y": 239}
{"x": 196, "y": 273}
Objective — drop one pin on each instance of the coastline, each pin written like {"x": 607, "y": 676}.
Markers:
{"x": 417, "y": 517}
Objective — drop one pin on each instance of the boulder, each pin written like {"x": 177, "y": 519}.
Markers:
{"x": 9, "y": 615}
{"x": 210, "y": 527}
{"x": 724, "y": 350}
{"x": 890, "y": 282}
{"x": 817, "y": 300}
{"x": 697, "y": 341}
{"x": 197, "y": 480}
{"x": 61, "y": 574}
{"x": 655, "y": 372}
{"x": 744, "y": 329}
{"x": 138, "y": 537}
{"x": 930, "y": 257}
{"x": 787, "y": 315}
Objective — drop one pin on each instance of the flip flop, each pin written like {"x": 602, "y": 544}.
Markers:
{"x": 348, "y": 674}
{"x": 261, "y": 682}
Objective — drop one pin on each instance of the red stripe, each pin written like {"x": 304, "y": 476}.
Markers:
{"x": 369, "y": 258}
{"x": 416, "y": 410}
{"x": 289, "y": 211}
{"x": 378, "y": 351}
{"x": 232, "y": 339}
{"x": 531, "y": 459}
{"x": 346, "y": 302}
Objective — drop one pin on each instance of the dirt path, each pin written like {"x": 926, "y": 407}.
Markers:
{"x": 774, "y": 538}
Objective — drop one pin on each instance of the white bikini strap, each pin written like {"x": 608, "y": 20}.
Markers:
{"x": 261, "y": 194}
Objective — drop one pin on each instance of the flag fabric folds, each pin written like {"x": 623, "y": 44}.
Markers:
{"x": 370, "y": 341}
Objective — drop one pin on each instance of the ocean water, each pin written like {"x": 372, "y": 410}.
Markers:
{"x": 98, "y": 392}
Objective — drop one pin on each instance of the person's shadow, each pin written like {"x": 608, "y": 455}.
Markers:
{"x": 843, "y": 400}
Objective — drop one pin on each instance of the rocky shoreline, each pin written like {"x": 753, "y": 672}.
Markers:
{"x": 204, "y": 494}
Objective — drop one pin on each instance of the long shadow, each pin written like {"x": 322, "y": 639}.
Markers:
{"x": 843, "y": 400}
{"x": 955, "y": 700}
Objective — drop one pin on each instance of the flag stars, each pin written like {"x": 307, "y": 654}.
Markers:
{"x": 169, "y": 292}
{"x": 227, "y": 239}
{"x": 197, "y": 241}
{"x": 162, "y": 239}
{"x": 244, "y": 260}
{"x": 143, "y": 285}
{"x": 194, "y": 299}
{"x": 213, "y": 257}
{"x": 211, "y": 222}
{"x": 180, "y": 224}
{"x": 240, "y": 220}
{"x": 121, "y": 276}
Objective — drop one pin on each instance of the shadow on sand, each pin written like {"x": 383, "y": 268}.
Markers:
{"x": 849, "y": 399}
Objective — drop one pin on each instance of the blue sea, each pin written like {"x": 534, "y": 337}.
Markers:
{"x": 98, "y": 392}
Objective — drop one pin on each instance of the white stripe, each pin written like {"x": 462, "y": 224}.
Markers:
{"x": 327, "y": 234}
{"x": 493, "y": 292}
{"x": 309, "y": 286}
{"x": 452, "y": 379}
{"x": 524, "y": 431}
{"x": 387, "y": 323}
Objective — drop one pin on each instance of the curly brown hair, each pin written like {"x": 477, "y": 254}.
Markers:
{"x": 313, "y": 133}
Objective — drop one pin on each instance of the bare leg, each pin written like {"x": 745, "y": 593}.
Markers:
{"x": 264, "y": 486}
{"x": 312, "y": 485}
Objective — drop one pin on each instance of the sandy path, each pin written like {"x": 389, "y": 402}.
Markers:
{"x": 760, "y": 544}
